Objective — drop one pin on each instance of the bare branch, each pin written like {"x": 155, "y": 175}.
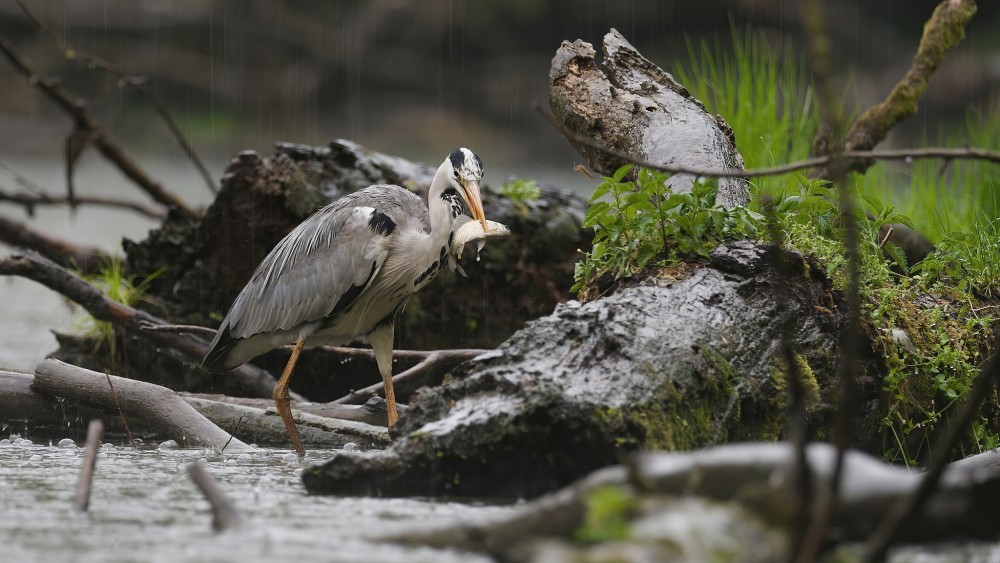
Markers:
{"x": 137, "y": 82}
{"x": 434, "y": 362}
{"x": 30, "y": 201}
{"x": 34, "y": 267}
{"x": 966, "y": 153}
{"x": 67, "y": 254}
{"x": 943, "y": 31}
{"x": 77, "y": 109}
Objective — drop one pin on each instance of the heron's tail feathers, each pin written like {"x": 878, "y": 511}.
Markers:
{"x": 219, "y": 357}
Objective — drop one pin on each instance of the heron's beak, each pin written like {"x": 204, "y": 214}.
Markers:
{"x": 474, "y": 201}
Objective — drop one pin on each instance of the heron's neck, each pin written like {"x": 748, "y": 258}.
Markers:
{"x": 441, "y": 198}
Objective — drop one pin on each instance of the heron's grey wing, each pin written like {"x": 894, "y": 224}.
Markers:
{"x": 322, "y": 265}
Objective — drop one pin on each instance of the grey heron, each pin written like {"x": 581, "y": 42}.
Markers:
{"x": 345, "y": 273}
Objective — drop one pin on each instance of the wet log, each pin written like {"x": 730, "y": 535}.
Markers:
{"x": 157, "y": 405}
{"x": 628, "y": 104}
{"x": 752, "y": 476}
{"x": 31, "y": 413}
{"x": 666, "y": 364}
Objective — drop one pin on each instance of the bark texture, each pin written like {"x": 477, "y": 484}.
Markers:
{"x": 629, "y": 104}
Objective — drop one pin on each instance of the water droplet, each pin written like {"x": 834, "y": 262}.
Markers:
{"x": 4, "y": 442}
{"x": 67, "y": 443}
{"x": 350, "y": 447}
{"x": 168, "y": 445}
{"x": 908, "y": 160}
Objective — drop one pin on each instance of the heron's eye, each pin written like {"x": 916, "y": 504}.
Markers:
{"x": 456, "y": 174}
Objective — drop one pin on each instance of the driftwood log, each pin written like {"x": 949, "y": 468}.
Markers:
{"x": 752, "y": 476}
{"x": 632, "y": 106}
{"x": 157, "y": 405}
{"x": 57, "y": 405}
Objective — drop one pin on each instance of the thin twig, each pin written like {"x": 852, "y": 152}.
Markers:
{"x": 137, "y": 82}
{"x": 232, "y": 434}
{"x": 224, "y": 513}
{"x": 42, "y": 198}
{"x": 850, "y": 345}
{"x": 908, "y": 155}
{"x": 363, "y": 353}
{"x": 81, "y": 499}
{"x": 121, "y": 414}
{"x": 77, "y": 109}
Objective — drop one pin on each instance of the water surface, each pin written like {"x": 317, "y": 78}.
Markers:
{"x": 145, "y": 508}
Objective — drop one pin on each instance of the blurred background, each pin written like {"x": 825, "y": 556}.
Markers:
{"x": 405, "y": 77}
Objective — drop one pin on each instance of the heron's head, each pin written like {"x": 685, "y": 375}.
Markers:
{"x": 464, "y": 175}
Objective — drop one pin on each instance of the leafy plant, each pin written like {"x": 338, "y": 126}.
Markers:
{"x": 637, "y": 221}
{"x": 521, "y": 190}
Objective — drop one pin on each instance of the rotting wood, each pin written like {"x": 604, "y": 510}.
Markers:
{"x": 224, "y": 513}
{"x": 81, "y": 499}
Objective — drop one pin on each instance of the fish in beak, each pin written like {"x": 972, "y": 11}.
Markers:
{"x": 470, "y": 191}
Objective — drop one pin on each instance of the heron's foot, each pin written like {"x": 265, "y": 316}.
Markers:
{"x": 283, "y": 406}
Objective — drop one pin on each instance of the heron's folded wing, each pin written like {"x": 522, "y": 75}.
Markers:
{"x": 323, "y": 265}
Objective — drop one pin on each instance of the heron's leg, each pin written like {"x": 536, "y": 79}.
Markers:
{"x": 282, "y": 401}
{"x": 381, "y": 341}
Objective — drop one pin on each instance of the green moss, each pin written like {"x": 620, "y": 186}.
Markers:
{"x": 608, "y": 509}
{"x": 780, "y": 373}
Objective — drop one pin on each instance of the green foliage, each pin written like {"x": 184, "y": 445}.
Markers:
{"x": 635, "y": 222}
{"x": 766, "y": 98}
{"x": 608, "y": 510}
{"x": 521, "y": 190}
{"x": 112, "y": 281}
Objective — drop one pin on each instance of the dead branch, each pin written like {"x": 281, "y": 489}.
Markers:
{"x": 83, "y": 119}
{"x": 137, "y": 82}
{"x": 61, "y": 252}
{"x": 460, "y": 354}
{"x": 224, "y": 513}
{"x": 965, "y": 153}
{"x": 943, "y": 31}
{"x": 318, "y": 425}
{"x": 31, "y": 201}
{"x": 34, "y": 267}
{"x": 156, "y": 405}
{"x": 81, "y": 499}
{"x": 417, "y": 376}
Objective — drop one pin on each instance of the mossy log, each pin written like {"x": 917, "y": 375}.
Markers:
{"x": 263, "y": 198}
{"x": 630, "y": 105}
{"x": 668, "y": 364}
